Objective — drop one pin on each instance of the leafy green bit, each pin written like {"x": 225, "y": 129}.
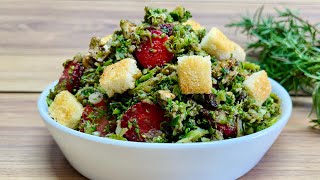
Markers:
{"x": 117, "y": 137}
{"x": 120, "y": 47}
{"x": 257, "y": 118}
{"x": 147, "y": 75}
{"x": 89, "y": 127}
{"x": 49, "y": 101}
{"x": 180, "y": 14}
{"x": 151, "y": 82}
{"x": 179, "y": 112}
{"x": 116, "y": 111}
{"x": 201, "y": 33}
{"x": 239, "y": 128}
{"x": 225, "y": 70}
{"x": 98, "y": 113}
{"x": 136, "y": 127}
{"x": 184, "y": 40}
{"x": 91, "y": 76}
{"x": 119, "y": 104}
{"x": 119, "y": 130}
{"x": 193, "y": 135}
{"x": 250, "y": 66}
{"x": 157, "y": 16}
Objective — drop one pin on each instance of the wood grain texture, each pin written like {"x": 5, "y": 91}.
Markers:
{"x": 37, "y": 36}
{"x": 28, "y": 151}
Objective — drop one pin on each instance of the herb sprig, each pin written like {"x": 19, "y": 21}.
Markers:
{"x": 288, "y": 48}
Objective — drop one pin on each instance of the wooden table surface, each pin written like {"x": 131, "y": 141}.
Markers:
{"x": 37, "y": 36}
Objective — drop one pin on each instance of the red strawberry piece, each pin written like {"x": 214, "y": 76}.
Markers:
{"x": 71, "y": 76}
{"x": 88, "y": 110}
{"x": 154, "y": 54}
{"x": 140, "y": 119}
{"x": 86, "y": 113}
{"x": 227, "y": 131}
{"x": 102, "y": 104}
{"x": 101, "y": 127}
{"x": 97, "y": 114}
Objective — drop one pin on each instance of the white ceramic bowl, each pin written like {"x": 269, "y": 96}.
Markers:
{"x": 103, "y": 158}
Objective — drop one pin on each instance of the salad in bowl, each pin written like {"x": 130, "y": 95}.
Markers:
{"x": 164, "y": 80}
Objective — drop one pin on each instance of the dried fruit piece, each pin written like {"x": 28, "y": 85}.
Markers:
{"x": 70, "y": 78}
{"x": 227, "y": 131}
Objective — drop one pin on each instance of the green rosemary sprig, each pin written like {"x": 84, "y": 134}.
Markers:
{"x": 288, "y": 48}
{"x": 316, "y": 105}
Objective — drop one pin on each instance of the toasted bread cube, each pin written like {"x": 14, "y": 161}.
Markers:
{"x": 258, "y": 86}
{"x": 66, "y": 109}
{"x": 194, "y": 74}
{"x": 195, "y": 25}
{"x": 217, "y": 44}
{"x": 120, "y": 76}
{"x": 105, "y": 39}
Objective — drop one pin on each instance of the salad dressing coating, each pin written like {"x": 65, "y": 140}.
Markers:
{"x": 161, "y": 81}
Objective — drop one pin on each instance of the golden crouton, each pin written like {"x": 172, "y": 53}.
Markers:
{"x": 258, "y": 86}
{"x": 217, "y": 44}
{"x": 195, "y": 25}
{"x": 105, "y": 39}
{"x": 194, "y": 74}
{"x": 66, "y": 109}
{"x": 120, "y": 76}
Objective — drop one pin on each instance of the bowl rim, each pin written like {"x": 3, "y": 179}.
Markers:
{"x": 286, "y": 109}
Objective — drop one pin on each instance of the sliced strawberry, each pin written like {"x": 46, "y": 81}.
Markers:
{"x": 227, "y": 131}
{"x": 140, "y": 119}
{"x": 86, "y": 113}
{"x": 154, "y": 54}
{"x": 97, "y": 115}
{"x": 102, "y": 104}
{"x": 70, "y": 79}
